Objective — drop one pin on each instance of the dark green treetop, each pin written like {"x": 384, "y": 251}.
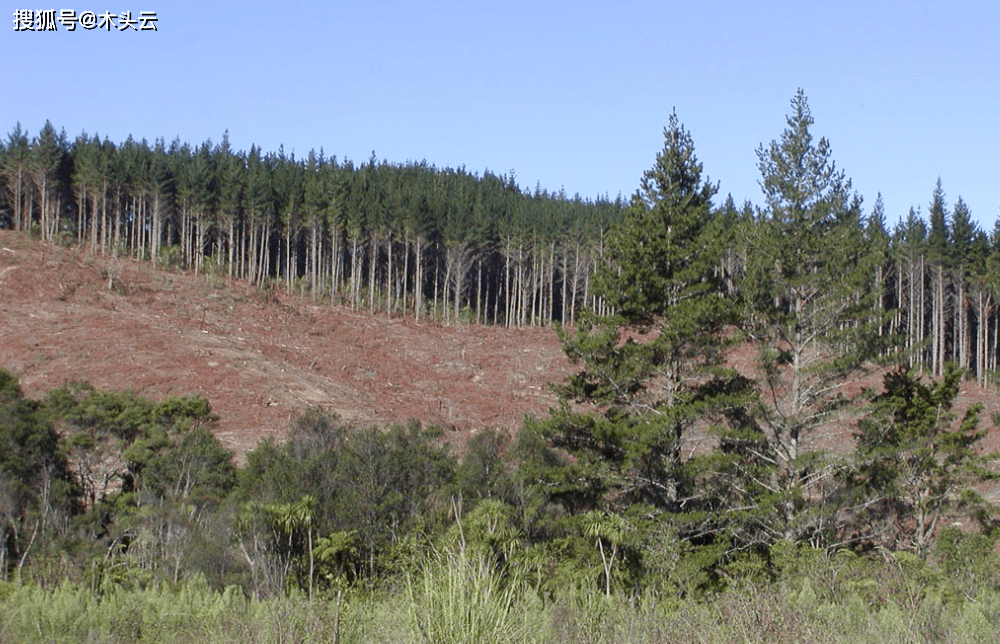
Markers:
{"x": 648, "y": 367}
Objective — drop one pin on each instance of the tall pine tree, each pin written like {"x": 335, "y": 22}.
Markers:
{"x": 808, "y": 282}
{"x": 652, "y": 370}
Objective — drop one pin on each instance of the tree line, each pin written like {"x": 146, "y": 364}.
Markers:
{"x": 408, "y": 239}
{"x": 413, "y": 239}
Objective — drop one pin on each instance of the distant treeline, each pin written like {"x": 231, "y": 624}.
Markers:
{"x": 413, "y": 239}
{"x": 405, "y": 239}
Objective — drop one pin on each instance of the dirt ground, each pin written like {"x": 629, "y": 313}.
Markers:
{"x": 261, "y": 358}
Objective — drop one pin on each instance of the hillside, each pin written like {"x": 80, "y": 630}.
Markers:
{"x": 259, "y": 358}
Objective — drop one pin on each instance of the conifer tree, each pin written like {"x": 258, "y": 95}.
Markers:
{"x": 916, "y": 465}
{"x": 937, "y": 252}
{"x": 808, "y": 282}
{"x": 909, "y": 247}
{"x": 47, "y": 151}
{"x": 15, "y": 169}
{"x": 966, "y": 247}
{"x": 877, "y": 235}
{"x": 651, "y": 367}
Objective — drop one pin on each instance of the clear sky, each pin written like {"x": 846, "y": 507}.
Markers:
{"x": 568, "y": 95}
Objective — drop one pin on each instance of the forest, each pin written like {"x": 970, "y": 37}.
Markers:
{"x": 396, "y": 238}
{"x": 672, "y": 495}
{"x": 413, "y": 239}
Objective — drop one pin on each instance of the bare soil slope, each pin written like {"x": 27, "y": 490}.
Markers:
{"x": 259, "y": 358}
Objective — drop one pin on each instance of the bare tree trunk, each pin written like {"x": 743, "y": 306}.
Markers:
{"x": 418, "y": 282}
{"x": 372, "y": 262}
{"x": 406, "y": 271}
{"x": 389, "y": 279}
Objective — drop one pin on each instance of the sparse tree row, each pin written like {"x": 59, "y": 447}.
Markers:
{"x": 401, "y": 239}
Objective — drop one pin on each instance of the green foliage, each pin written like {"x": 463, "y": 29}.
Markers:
{"x": 116, "y": 435}
{"x": 969, "y": 562}
{"x": 270, "y": 473}
{"x": 29, "y": 445}
{"x": 571, "y": 484}
{"x": 611, "y": 533}
{"x": 653, "y": 369}
{"x": 482, "y": 472}
{"x": 10, "y": 387}
{"x": 70, "y": 613}
{"x": 137, "y": 474}
{"x": 171, "y": 258}
{"x": 460, "y": 598}
{"x": 675, "y": 568}
{"x": 387, "y": 483}
{"x": 375, "y": 485}
{"x": 285, "y": 533}
{"x": 490, "y": 530}
{"x": 37, "y": 493}
{"x": 807, "y": 281}
{"x": 917, "y": 467}
{"x": 336, "y": 557}
{"x": 196, "y": 466}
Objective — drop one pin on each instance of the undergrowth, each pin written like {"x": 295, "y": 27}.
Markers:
{"x": 461, "y": 597}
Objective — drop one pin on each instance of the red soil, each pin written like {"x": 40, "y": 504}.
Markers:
{"x": 259, "y": 358}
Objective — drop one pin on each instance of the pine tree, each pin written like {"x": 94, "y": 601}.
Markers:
{"x": 909, "y": 246}
{"x": 965, "y": 248}
{"x": 808, "y": 282}
{"x": 877, "y": 235}
{"x": 15, "y": 169}
{"x": 47, "y": 151}
{"x": 937, "y": 252}
{"x": 916, "y": 465}
{"x": 653, "y": 367}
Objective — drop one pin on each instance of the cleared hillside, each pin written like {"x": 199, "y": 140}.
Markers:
{"x": 258, "y": 357}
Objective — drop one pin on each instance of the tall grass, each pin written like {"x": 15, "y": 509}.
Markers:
{"x": 460, "y": 597}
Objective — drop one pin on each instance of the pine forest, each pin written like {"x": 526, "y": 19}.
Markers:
{"x": 413, "y": 239}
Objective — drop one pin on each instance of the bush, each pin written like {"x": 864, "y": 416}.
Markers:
{"x": 459, "y": 598}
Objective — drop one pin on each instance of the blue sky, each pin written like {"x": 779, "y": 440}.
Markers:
{"x": 565, "y": 95}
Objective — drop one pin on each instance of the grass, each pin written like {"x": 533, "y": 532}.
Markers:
{"x": 460, "y": 597}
